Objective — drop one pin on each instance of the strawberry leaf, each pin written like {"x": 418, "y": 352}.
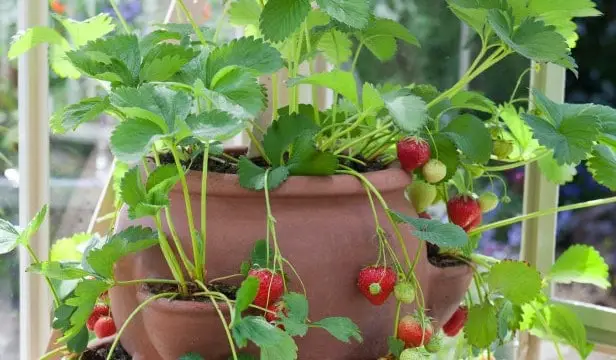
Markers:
{"x": 371, "y": 99}
{"x": 520, "y": 131}
{"x": 336, "y": 46}
{"x": 164, "y": 60}
{"x": 471, "y": 136}
{"x": 343, "y": 82}
{"x": 33, "y": 226}
{"x": 59, "y": 270}
{"x": 532, "y": 39}
{"x": 156, "y": 37}
{"x": 9, "y": 236}
{"x": 342, "y": 328}
{"x": 474, "y": 101}
{"x": 132, "y": 190}
{"x": 82, "y": 32}
{"x": 252, "y": 176}
{"x": 214, "y": 125}
{"x": 245, "y": 295}
{"x": 433, "y": 231}
{"x": 558, "y": 174}
{"x": 395, "y": 345}
{"x": 295, "y": 315}
{"x": 409, "y": 112}
{"x": 84, "y": 297}
{"x": 481, "y": 325}
{"x": 283, "y": 132}
{"x": 237, "y": 87}
{"x": 354, "y": 13}
{"x": 79, "y": 342}
{"x": 25, "y": 40}
{"x": 580, "y": 264}
{"x": 380, "y": 37}
{"x": 516, "y": 280}
{"x": 244, "y": 12}
{"x": 72, "y": 116}
{"x": 133, "y": 139}
{"x": 306, "y": 160}
{"x": 280, "y": 18}
{"x": 128, "y": 241}
{"x": 246, "y": 52}
{"x": 602, "y": 165}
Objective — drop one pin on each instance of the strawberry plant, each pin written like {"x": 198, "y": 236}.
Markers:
{"x": 179, "y": 92}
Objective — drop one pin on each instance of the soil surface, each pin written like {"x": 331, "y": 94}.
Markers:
{"x": 225, "y": 166}
{"x": 442, "y": 260}
{"x": 227, "y": 290}
{"x": 101, "y": 353}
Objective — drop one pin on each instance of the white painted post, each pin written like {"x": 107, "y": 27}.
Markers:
{"x": 35, "y": 300}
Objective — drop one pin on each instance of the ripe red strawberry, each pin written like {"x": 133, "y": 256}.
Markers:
{"x": 376, "y": 283}
{"x": 272, "y": 315}
{"x": 414, "y": 332}
{"x": 476, "y": 222}
{"x": 413, "y": 153}
{"x": 104, "y": 327}
{"x": 271, "y": 287}
{"x": 463, "y": 210}
{"x": 453, "y": 326}
{"x": 425, "y": 215}
{"x": 99, "y": 311}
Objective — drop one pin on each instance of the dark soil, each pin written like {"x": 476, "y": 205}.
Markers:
{"x": 442, "y": 260}
{"x": 101, "y": 353}
{"x": 225, "y": 166}
{"x": 227, "y": 290}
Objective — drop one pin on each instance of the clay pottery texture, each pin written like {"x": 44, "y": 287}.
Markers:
{"x": 325, "y": 229}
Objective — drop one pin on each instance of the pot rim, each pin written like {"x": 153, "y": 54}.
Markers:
{"x": 178, "y": 306}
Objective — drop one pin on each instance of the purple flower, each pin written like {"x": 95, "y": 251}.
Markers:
{"x": 129, "y": 9}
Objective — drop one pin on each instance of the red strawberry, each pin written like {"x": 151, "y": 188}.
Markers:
{"x": 425, "y": 215}
{"x": 376, "y": 283}
{"x": 413, "y": 153}
{"x": 463, "y": 210}
{"x": 414, "y": 332}
{"x": 453, "y": 326}
{"x": 476, "y": 222}
{"x": 272, "y": 315}
{"x": 98, "y": 311}
{"x": 271, "y": 287}
{"x": 104, "y": 327}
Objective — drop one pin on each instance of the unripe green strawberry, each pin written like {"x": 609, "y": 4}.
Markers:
{"x": 414, "y": 354}
{"x": 405, "y": 292}
{"x": 434, "y": 171}
{"x": 421, "y": 194}
{"x": 488, "y": 201}
{"x": 436, "y": 343}
{"x": 502, "y": 148}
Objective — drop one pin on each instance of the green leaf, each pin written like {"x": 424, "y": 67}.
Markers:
{"x": 68, "y": 249}
{"x": 580, "y": 264}
{"x": 521, "y": 132}
{"x": 282, "y": 133}
{"x": 532, "y": 39}
{"x": 237, "y": 87}
{"x": 90, "y": 29}
{"x": 33, "y": 226}
{"x": 132, "y": 190}
{"x": 447, "y": 154}
{"x": 474, "y": 101}
{"x": 9, "y": 236}
{"x": 481, "y": 325}
{"x": 395, "y": 345}
{"x": 516, "y": 280}
{"x": 133, "y": 139}
{"x": 163, "y": 61}
{"x": 245, "y": 52}
{"x": 252, "y": 176}
{"x": 296, "y": 305}
{"x": 343, "y": 82}
{"x": 558, "y": 174}
{"x": 306, "y": 160}
{"x": 433, "y": 231}
{"x": 25, "y": 40}
{"x": 371, "y": 98}
{"x": 191, "y": 356}
{"x": 563, "y": 325}
{"x": 257, "y": 330}
{"x": 336, "y": 46}
{"x": 158, "y": 104}
{"x": 280, "y": 18}
{"x": 409, "y": 112}
{"x": 244, "y": 12}
{"x": 285, "y": 349}
{"x": 214, "y": 125}
{"x": 354, "y": 13}
{"x": 244, "y": 356}
{"x": 245, "y": 296}
{"x": 341, "y": 328}
{"x": 59, "y": 270}
{"x": 84, "y": 297}
{"x": 187, "y": 30}
{"x": 154, "y": 38}
{"x": 60, "y": 63}
{"x": 380, "y": 37}
{"x": 471, "y": 136}
{"x": 79, "y": 343}
{"x": 505, "y": 316}
{"x": 602, "y": 165}
{"x": 258, "y": 256}
{"x": 130, "y": 240}
{"x": 164, "y": 176}
{"x": 73, "y": 115}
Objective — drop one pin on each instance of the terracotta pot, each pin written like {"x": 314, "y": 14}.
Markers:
{"x": 325, "y": 228}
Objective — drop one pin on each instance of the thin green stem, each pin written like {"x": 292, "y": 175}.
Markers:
{"x": 168, "y": 254}
{"x": 189, "y": 212}
{"x": 360, "y": 139}
{"x": 192, "y": 22}
{"x": 130, "y": 318}
{"x": 54, "y": 352}
{"x": 541, "y": 213}
{"x": 518, "y": 83}
{"x": 314, "y": 90}
{"x": 175, "y": 84}
{"x": 271, "y": 223}
{"x": 204, "y": 175}
{"x": 221, "y": 20}
{"x": 348, "y": 130}
{"x": 144, "y": 281}
{"x": 517, "y": 164}
{"x": 225, "y": 325}
{"x": 397, "y": 318}
{"x": 52, "y": 289}
{"x": 120, "y": 16}
{"x": 356, "y": 57}
{"x": 274, "y": 96}
{"x": 257, "y": 145}
{"x": 546, "y": 326}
